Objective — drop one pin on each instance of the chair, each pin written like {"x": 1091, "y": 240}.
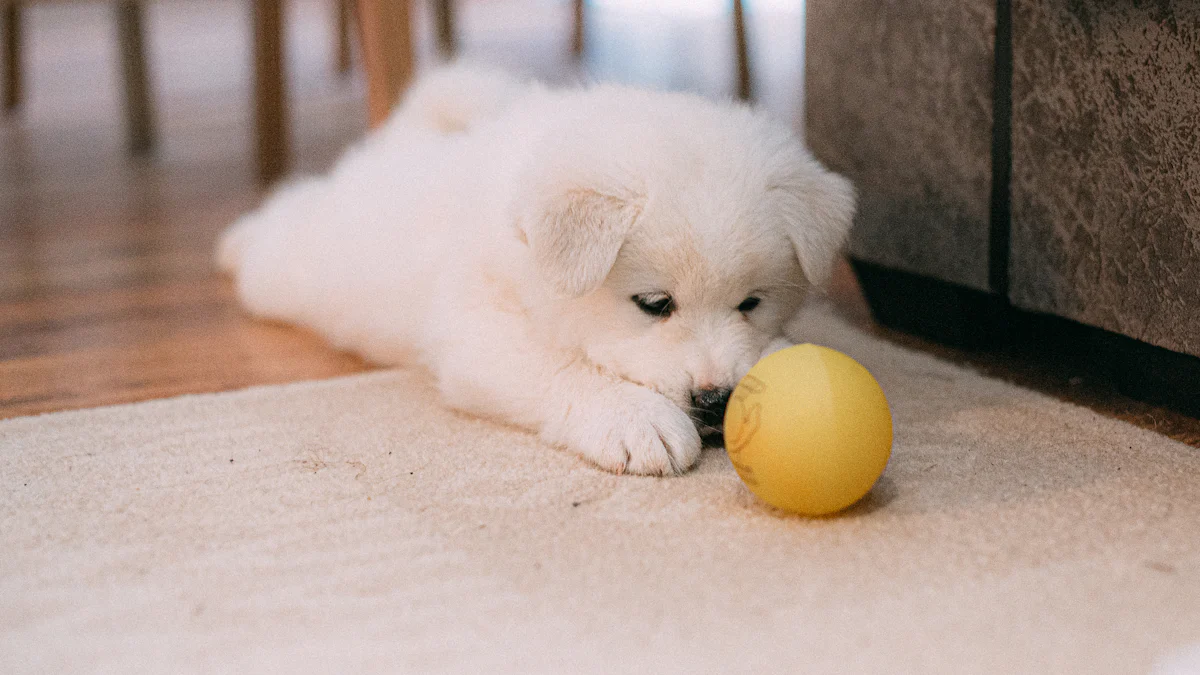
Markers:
{"x": 270, "y": 111}
{"x": 139, "y": 112}
{"x": 386, "y": 39}
{"x": 387, "y": 46}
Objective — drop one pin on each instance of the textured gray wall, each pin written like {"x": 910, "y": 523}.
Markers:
{"x": 899, "y": 99}
{"x": 1106, "y": 166}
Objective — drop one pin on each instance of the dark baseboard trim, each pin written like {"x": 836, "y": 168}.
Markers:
{"x": 1149, "y": 373}
{"x": 939, "y": 311}
{"x": 965, "y": 318}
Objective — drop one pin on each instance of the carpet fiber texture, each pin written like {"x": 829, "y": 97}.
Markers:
{"x": 353, "y": 525}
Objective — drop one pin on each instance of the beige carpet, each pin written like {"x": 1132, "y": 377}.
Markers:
{"x": 354, "y": 526}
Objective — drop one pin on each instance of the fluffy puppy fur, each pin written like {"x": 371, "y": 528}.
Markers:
{"x": 600, "y": 265}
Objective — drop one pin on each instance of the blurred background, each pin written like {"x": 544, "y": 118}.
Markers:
{"x": 199, "y": 57}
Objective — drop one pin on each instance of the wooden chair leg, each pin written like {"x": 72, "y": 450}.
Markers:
{"x": 577, "y": 28}
{"x": 12, "y": 57}
{"x": 139, "y": 109}
{"x": 345, "y": 9}
{"x": 444, "y": 16}
{"x": 387, "y": 48}
{"x": 270, "y": 105}
{"x": 745, "y": 82}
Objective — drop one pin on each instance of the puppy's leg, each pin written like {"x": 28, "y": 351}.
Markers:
{"x": 289, "y": 203}
{"x": 620, "y": 426}
{"x": 230, "y": 245}
{"x": 272, "y": 251}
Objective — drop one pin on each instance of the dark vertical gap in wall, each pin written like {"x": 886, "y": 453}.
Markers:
{"x": 1000, "y": 227}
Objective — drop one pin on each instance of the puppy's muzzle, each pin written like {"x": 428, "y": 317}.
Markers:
{"x": 708, "y": 412}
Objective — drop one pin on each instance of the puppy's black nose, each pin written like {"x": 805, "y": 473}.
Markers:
{"x": 709, "y": 406}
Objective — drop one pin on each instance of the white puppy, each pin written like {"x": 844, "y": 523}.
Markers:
{"x": 600, "y": 265}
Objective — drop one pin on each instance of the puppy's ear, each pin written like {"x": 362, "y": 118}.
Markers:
{"x": 818, "y": 208}
{"x": 576, "y": 235}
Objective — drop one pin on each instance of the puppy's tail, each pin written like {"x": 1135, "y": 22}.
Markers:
{"x": 456, "y": 97}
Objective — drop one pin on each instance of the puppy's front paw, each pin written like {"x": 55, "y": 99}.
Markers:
{"x": 628, "y": 428}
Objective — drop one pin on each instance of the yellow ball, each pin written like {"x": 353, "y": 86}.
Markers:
{"x": 808, "y": 430}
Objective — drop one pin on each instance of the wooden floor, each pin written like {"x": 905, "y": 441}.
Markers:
{"x": 107, "y": 291}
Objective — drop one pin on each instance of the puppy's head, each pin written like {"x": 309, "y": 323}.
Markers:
{"x": 672, "y": 239}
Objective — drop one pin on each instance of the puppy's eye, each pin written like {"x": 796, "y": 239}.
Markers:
{"x": 748, "y": 305}
{"x": 658, "y": 305}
